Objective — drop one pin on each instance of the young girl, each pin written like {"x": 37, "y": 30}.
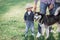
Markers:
{"x": 29, "y": 19}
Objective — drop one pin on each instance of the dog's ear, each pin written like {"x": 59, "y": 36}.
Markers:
{"x": 59, "y": 11}
{"x": 37, "y": 13}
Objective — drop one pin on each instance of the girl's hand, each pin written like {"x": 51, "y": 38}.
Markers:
{"x": 35, "y": 7}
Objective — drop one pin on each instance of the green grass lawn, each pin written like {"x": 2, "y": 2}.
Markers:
{"x": 12, "y": 26}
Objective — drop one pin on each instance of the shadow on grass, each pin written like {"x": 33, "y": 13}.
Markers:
{"x": 51, "y": 37}
{"x": 29, "y": 38}
{"x": 26, "y": 38}
{"x": 58, "y": 36}
{"x": 41, "y": 38}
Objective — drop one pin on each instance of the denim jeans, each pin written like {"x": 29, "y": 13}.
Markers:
{"x": 57, "y": 5}
{"x": 43, "y": 8}
{"x": 29, "y": 25}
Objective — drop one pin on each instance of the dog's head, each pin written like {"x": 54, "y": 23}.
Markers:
{"x": 37, "y": 16}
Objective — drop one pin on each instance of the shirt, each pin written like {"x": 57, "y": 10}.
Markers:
{"x": 46, "y": 1}
{"x": 29, "y": 17}
{"x": 57, "y": 1}
{"x": 29, "y": 12}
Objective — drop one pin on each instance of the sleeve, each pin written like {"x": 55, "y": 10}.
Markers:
{"x": 25, "y": 17}
{"x": 53, "y": 2}
{"x": 33, "y": 15}
{"x": 35, "y": 1}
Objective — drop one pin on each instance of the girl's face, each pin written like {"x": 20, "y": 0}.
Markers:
{"x": 29, "y": 9}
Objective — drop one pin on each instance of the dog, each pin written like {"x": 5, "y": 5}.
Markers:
{"x": 48, "y": 20}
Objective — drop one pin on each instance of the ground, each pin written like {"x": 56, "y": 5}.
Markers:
{"x": 12, "y": 25}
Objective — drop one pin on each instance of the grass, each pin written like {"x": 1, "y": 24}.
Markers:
{"x": 12, "y": 26}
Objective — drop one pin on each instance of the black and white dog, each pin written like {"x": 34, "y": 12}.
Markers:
{"x": 48, "y": 20}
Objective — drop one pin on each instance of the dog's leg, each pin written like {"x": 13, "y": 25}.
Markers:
{"x": 58, "y": 28}
{"x": 50, "y": 29}
{"x": 47, "y": 31}
{"x": 42, "y": 28}
{"x": 39, "y": 31}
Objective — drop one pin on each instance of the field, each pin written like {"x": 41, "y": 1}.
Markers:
{"x": 12, "y": 26}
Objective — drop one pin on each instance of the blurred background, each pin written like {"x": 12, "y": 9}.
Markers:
{"x": 12, "y": 26}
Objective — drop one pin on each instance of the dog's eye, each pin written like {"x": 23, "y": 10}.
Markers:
{"x": 40, "y": 16}
{"x": 36, "y": 14}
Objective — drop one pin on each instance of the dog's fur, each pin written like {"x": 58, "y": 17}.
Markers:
{"x": 48, "y": 20}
